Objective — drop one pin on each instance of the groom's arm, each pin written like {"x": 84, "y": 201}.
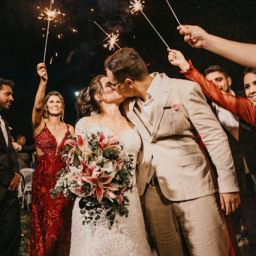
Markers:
{"x": 216, "y": 142}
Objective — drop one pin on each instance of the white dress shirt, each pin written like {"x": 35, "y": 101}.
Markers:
{"x": 4, "y": 131}
{"x": 227, "y": 119}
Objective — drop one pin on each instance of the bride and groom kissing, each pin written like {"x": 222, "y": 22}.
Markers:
{"x": 181, "y": 203}
{"x": 175, "y": 183}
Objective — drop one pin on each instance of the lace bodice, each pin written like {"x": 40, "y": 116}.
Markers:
{"x": 127, "y": 236}
{"x": 130, "y": 138}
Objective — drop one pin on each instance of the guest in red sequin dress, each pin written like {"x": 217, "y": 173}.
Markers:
{"x": 50, "y": 218}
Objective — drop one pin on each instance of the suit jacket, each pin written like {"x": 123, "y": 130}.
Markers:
{"x": 24, "y": 156}
{"x": 8, "y": 162}
{"x": 247, "y": 140}
{"x": 169, "y": 147}
{"x": 236, "y": 152}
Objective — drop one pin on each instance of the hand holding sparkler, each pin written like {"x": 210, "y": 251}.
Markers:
{"x": 176, "y": 58}
{"x": 137, "y": 6}
{"x": 42, "y": 72}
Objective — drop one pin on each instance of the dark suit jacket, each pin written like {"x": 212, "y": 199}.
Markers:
{"x": 237, "y": 154}
{"x": 247, "y": 140}
{"x": 24, "y": 156}
{"x": 8, "y": 162}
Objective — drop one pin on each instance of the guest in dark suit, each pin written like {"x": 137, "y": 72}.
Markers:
{"x": 9, "y": 181}
{"x": 24, "y": 152}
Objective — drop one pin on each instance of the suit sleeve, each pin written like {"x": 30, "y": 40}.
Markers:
{"x": 28, "y": 149}
{"x": 213, "y": 136}
{"x": 15, "y": 165}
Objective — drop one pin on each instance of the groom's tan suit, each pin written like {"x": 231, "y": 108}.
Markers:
{"x": 171, "y": 153}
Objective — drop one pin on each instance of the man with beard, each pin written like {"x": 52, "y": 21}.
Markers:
{"x": 9, "y": 180}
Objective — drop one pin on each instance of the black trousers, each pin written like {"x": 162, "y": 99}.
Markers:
{"x": 10, "y": 229}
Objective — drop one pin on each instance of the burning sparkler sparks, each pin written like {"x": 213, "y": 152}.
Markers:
{"x": 74, "y": 30}
{"x": 111, "y": 39}
{"x": 50, "y": 15}
{"x": 137, "y": 6}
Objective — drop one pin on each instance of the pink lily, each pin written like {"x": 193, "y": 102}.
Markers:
{"x": 100, "y": 183}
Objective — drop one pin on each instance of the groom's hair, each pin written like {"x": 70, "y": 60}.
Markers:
{"x": 126, "y": 63}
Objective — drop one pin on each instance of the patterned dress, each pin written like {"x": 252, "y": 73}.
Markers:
{"x": 50, "y": 218}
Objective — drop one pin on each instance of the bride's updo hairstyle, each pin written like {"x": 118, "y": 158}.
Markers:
{"x": 86, "y": 103}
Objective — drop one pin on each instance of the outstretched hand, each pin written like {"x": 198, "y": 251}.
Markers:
{"x": 193, "y": 35}
{"x": 42, "y": 72}
{"x": 176, "y": 58}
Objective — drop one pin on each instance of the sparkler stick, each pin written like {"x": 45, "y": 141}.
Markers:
{"x": 174, "y": 14}
{"x": 111, "y": 38}
{"x": 137, "y": 6}
{"x": 48, "y": 28}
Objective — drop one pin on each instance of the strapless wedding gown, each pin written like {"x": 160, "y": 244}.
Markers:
{"x": 127, "y": 236}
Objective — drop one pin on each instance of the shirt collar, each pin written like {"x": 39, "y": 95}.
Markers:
{"x": 151, "y": 92}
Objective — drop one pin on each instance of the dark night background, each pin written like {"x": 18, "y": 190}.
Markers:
{"x": 81, "y": 55}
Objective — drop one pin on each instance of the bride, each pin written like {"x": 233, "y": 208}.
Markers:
{"x": 127, "y": 236}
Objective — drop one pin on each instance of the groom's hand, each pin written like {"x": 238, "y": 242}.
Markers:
{"x": 229, "y": 202}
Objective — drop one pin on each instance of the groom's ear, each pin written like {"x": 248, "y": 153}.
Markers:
{"x": 129, "y": 82}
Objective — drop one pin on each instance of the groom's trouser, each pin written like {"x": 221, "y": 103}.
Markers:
{"x": 200, "y": 221}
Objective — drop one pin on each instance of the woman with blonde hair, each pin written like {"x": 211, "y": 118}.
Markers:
{"x": 50, "y": 218}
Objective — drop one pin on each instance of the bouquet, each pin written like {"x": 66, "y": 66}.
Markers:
{"x": 99, "y": 172}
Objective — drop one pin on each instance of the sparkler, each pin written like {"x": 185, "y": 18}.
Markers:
{"x": 51, "y": 15}
{"x": 111, "y": 39}
{"x": 137, "y": 6}
{"x": 174, "y": 14}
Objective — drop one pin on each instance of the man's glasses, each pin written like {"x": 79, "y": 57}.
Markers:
{"x": 114, "y": 85}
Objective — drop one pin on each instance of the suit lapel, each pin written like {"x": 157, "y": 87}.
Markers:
{"x": 2, "y": 139}
{"x": 8, "y": 133}
{"x": 134, "y": 115}
{"x": 160, "y": 102}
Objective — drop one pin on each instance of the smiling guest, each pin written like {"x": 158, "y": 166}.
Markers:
{"x": 9, "y": 180}
{"x": 243, "y": 107}
{"x": 50, "y": 218}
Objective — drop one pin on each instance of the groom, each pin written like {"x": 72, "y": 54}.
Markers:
{"x": 174, "y": 177}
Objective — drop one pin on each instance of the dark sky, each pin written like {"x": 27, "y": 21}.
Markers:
{"x": 81, "y": 55}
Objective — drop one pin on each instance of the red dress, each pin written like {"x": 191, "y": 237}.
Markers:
{"x": 50, "y": 218}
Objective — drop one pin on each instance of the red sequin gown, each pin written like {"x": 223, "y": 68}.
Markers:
{"x": 50, "y": 218}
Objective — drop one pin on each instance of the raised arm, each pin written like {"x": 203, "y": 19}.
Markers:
{"x": 241, "y": 53}
{"x": 40, "y": 94}
{"x": 240, "y": 106}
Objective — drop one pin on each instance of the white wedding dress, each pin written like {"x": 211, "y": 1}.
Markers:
{"x": 127, "y": 236}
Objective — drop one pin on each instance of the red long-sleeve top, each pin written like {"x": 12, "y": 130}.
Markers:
{"x": 240, "y": 106}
